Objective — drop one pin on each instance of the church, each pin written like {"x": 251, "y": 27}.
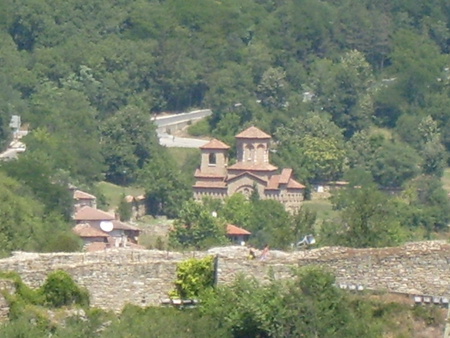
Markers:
{"x": 252, "y": 171}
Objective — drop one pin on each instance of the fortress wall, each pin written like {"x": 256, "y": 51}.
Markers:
{"x": 113, "y": 277}
{"x": 144, "y": 277}
{"x": 416, "y": 268}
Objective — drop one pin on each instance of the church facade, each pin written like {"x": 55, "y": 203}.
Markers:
{"x": 252, "y": 171}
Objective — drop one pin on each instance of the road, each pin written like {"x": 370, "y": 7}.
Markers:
{"x": 174, "y": 141}
{"x": 162, "y": 121}
{"x": 181, "y": 142}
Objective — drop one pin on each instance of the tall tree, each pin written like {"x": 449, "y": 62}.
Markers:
{"x": 128, "y": 143}
{"x": 197, "y": 227}
{"x": 368, "y": 219}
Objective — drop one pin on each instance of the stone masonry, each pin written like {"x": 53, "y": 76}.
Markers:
{"x": 144, "y": 277}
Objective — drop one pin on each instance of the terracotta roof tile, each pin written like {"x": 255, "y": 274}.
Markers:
{"x": 234, "y": 230}
{"x": 118, "y": 225}
{"x": 213, "y": 184}
{"x": 273, "y": 182}
{"x": 198, "y": 173}
{"x": 85, "y": 230}
{"x": 253, "y": 132}
{"x": 215, "y": 144}
{"x": 246, "y": 173}
{"x": 285, "y": 176}
{"x": 81, "y": 195}
{"x": 88, "y": 213}
{"x": 252, "y": 166}
{"x": 293, "y": 184}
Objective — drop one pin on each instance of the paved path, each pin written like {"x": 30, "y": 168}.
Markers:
{"x": 182, "y": 142}
{"x": 174, "y": 141}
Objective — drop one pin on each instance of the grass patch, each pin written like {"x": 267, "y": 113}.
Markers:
{"x": 323, "y": 208}
{"x": 183, "y": 156}
{"x": 113, "y": 192}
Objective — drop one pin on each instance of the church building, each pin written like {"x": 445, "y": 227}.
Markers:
{"x": 252, "y": 171}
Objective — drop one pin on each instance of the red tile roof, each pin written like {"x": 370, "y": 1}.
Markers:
{"x": 273, "y": 183}
{"x": 285, "y": 176}
{"x": 118, "y": 225}
{"x": 81, "y": 195}
{"x": 215, "y": 144}
{"x": 85, "y": 231}
{"x": 252, "y": 166}
{"x": 253, "y": 132}
{"x": 293, "y": 184}
{"x": 246, "y": 173}
{"x": 198, "y": 173}
{"x": 208, "y": 184}
{"x": 88, "y": 213}
{"x": 234, "y": 230}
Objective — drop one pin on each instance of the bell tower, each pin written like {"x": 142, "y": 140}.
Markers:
{"x": 214, "y": 158}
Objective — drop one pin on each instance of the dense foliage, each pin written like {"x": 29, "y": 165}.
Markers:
{"x": 74, "y": 71}
{"x": 341, "y": 85}
{"x": 58, "y": 290}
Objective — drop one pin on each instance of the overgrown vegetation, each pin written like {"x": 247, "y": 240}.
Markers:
{"x": 194, "y": 276}
{"x": 309, "y": 305}
{"x": 58, "y": 290}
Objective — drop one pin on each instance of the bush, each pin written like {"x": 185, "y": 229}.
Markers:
{"x": 194, "y": 276}
{"x": 59, "y": 289}
{"x": 200, "y": 128}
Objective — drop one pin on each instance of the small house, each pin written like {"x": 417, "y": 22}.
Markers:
{"x": 237, "y": 235}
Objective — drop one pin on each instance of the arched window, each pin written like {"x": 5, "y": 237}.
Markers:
{"x": 212, "y": 159}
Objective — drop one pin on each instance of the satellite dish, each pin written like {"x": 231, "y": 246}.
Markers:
{"x": 307, "y": 240}
{"x": 106, "y": 226}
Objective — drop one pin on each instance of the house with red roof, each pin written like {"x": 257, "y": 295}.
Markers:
{"x": 90, "y": 234}
{"x": 92, "y": 216}
{"x": 252, "y": 171}
{"x": 98, "y": 226}
{"x": 237, "y": 235}
{"x": 82, "y": 198}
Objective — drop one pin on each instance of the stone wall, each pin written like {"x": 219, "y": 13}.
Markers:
{"x": 113, "y": 277}
{"x": 415, "y": 268}
{"x": 144, "y": 277}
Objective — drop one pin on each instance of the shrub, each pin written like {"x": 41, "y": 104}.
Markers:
{"x": 194, "y": 276}
{"x": 59, "y": 289}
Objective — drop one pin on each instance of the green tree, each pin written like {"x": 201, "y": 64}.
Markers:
{"x": 428, "y": 204}
{"x": 124, "y": 209}
{"x": 395, "y": 164}
{"x": 65, "y": 132}
{"x": 129, "y": 141}
{"x": 166, "y": 188}
{"x": 197, "y": 227}
{"x": 368, "y": 219}
{"x": 313, "y": 146}
{"x": 25, "y": 225}
{"x": 237, "y": 210}
{"x": 270, "y": 224}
